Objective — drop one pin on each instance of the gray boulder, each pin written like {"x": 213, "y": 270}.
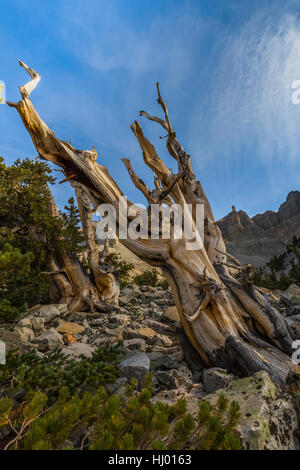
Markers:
{"x": 295, "y": 310}
{"x": 25, "y": 334}
{"x": 75, "y": 350}
{"x": 137, "y": 365}
{"x": 25, "y": 322}
{"x": 167, "y": 379}
{"x": 38, "y": 325}
{"x": 49, "y": 340}
{"x": 291, "y": 296}
{"x": 137, "y": 344}
{"x": 47, "y": 312}
{"x": 215, "y": 378}
{"x": 268, "y": 416}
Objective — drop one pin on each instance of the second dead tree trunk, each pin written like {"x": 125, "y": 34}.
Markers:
{"x": 71, "y": 282}
{"x": 229, "y": 321}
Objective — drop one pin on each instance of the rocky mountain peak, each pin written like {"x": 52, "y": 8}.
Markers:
{"x": 255, "y": 240}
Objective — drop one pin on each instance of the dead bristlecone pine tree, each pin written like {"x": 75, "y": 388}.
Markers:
{"x": 230, "y": 322}
{"x": 93, "y": 288}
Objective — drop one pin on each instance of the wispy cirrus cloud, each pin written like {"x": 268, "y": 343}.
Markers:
{"x": 248, "y": 127}
{"x": 250, "y": 96}
{"x": 161, "y": 44}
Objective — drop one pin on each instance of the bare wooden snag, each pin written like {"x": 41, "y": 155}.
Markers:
{"x": 228, "y": 321}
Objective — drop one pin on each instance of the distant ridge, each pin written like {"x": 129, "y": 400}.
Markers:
{"x": 256, "y": 240}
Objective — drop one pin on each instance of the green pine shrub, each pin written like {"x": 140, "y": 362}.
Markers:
{"x": 152, "y": 278}
{"x": 218, "y": 430}
{"x": 29, "y": 235}
{"x": 106, "y": 421}
{"x": 147, "y": 278}
{"x": 28, "y": 372}
{"x": 281, "y": 271}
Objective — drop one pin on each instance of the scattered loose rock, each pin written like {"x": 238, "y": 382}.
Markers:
{"x": 26, "y": 334}
{"x": 68, "y": 327}
{"x": 137, "y": 365}
{"x": 215, "y": 378}
{"x": 47, "y": 312}
{"x": 137, "y": 344}
{"x": 49, "y": 340}
{"x": 75, "y": 350}
{"x": 149, "y": 328}
{"x": 172, "y": 315}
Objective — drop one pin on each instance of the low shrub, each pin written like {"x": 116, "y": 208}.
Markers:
{"x": 103, "y": 421}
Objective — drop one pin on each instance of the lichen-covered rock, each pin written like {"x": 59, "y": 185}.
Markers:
{"x": 268, "y": 417}
{"x": 68, "y": 338}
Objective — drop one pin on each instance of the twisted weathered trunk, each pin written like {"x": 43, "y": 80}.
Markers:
{"x": 105, "y": 281}
{"x": 71, "y": 284}
{"x": 228, "y": 321}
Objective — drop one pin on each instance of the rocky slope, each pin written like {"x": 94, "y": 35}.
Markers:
{"x": 147, "y": 323}
{"x": 256, "y": 240}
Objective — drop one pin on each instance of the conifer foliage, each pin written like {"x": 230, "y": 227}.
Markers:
{"x": 46, "y": 402}
{"x": 282, "y": 270}
{"x": 29, "y": 234}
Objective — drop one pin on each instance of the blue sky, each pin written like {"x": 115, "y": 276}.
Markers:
{"x": 225, "y": 69}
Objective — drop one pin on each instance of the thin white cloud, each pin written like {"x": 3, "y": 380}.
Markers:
{"x": 107, "y": 41}
{"x": 250, "y": 97}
